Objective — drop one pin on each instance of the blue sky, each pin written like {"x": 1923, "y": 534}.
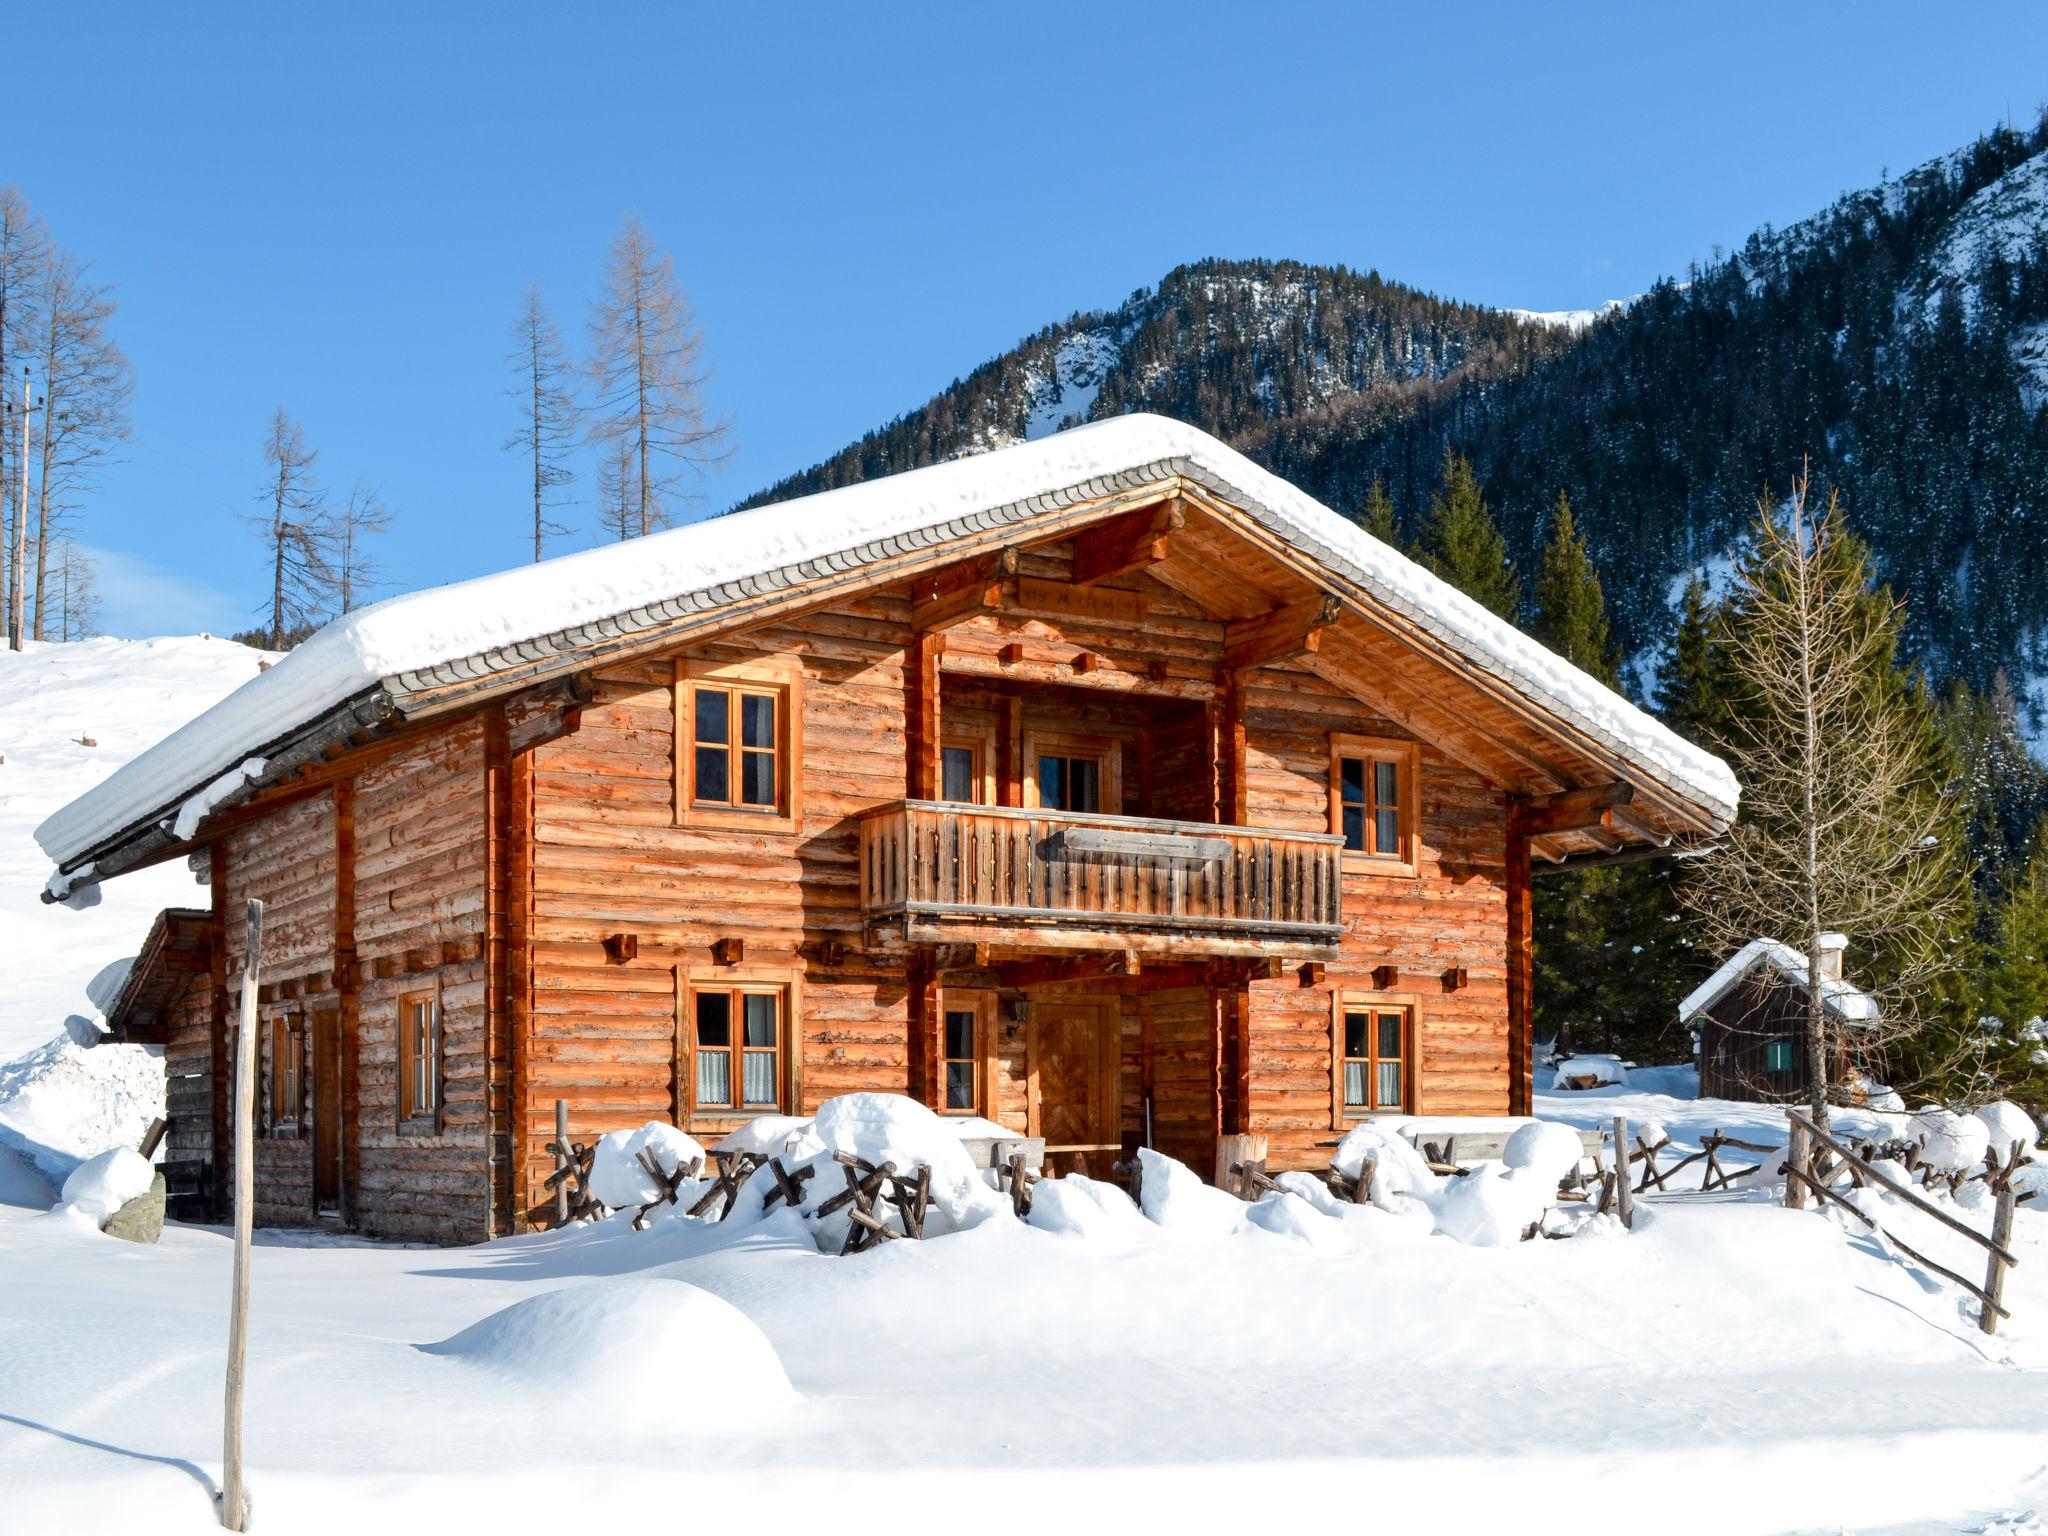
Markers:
{"x": 337, "y": 208}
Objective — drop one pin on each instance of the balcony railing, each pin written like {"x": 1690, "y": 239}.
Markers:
{"x": 978, "y": 873}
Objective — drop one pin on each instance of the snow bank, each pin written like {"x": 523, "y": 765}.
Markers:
{"x": 100, "y": 1186}
{"x": 1174, "y": 1197}
{"x": 20, "y": 1184}
{"x": 1949, "y": 1141}
{"x": 616, "y": 1175}
{"x": 66, "y": 1102}
{"x": 1078, "y": 1206}
{"x": 1545, "y": 1149}
{"x": 1493, "y": 1205}
{"x": 2005, "y": 1123}
{"x": 1399, "y": 1172}
{"x": 767, "y": 1135}
{"x": 642, "y": 1354}
{"x": 1605, "y": 1071}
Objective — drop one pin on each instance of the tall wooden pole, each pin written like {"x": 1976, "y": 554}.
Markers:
{"x": 233, "y": 1506}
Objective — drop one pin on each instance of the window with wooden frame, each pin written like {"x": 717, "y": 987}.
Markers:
{"x": 738, "y": 735}
{"x": 287, "y": 1075}
{"x": 1082, "y": 774}
{"x": 966, "y": 767}
{"x": 967, "y": 1041}
{"x": 1372, "y": 1056}
{"x": 736, "y": 1037}
{"x": 1374, "y": 793}
{"x": 421, "y": 1061}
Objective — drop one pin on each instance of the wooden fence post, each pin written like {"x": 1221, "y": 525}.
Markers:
{"x": 1994, "y": 1275}
{"x": 1236, "y": 1150}
{"x": 561, "y": 1161}
{"x": 1625, "y": 1187}
{"x": 233, "y": 1505}
{"x": 1796, "y": 1159}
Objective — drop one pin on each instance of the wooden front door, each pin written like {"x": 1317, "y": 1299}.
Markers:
{"x": 1075, "y": 1053}
{"x": 326, "y": 1028}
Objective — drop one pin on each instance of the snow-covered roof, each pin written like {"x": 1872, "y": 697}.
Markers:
{"x": 442, "y": 637}
{"x": 1849, "y": 1003}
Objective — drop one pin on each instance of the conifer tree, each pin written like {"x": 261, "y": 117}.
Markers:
{"x": 1571, "y": 610}
{"x": 1691, "y": 684}
{"x": 2013, "y": 1007}
{"x": 1377, "y": 516}
{"x": 1461, "y": 543}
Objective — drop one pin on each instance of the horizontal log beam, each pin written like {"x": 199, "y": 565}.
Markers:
{"x": 1133, "y": 542}
{"x": 1569, "y": 810}
{"x": 961, "y": 590}
{"x": 1281, "y": 635}
{"x": 1017, "y": 975}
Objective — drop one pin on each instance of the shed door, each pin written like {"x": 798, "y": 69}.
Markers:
{"x": 1074, "y": 1058}
{"x": 326, "y": 1028}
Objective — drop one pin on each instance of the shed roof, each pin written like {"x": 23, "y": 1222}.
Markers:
{"x": 1848, "y": 1002}
{"x": 393, "y": 656}
{"x": 177, "y": 949}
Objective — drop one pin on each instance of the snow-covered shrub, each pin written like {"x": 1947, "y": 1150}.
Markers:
{"x": 1859, "y": 1087}
{"x": 1546, "y": 1149}
{"x": 635, "y": 1351}
{"x": 616, "y": 1176}
{"x": 100, "y": 1186}
{"x": 1950, "y": 1142}
{"x": 2005, "y": 1123}
{"x": 1603, "y": 1071}
{"x": 1174, "y": 1197}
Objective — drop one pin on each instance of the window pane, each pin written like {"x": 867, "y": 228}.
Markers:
{"x": 714, "y": 1019}
{"x": 757, "y": 720}
{"x": 712, "y": 724}
{"x": 1390, "y": 1085}
{"x": 760, "y": 1075}
{"x": 1351, "y": 780}
{"x": 714, "y": 1077}
{"x": 1084, "y": 784}
{"x": 713, "y": 774}
{"x": 956, "y": 777}
{"x": 760, "y": 1015}
{"x": 1052, "y": 783}
{"x": 1354, "y": 1085}
{"x": 757, "y": 778}
{"x": 1390, "y": 1034}
{"x": 1386, "y": 831}
{"x": 1355, "y": 1027}
{"x": 959, "y": 1085}
{"x": 1354, "y": 828}
{"x": 1386, "y": 784}
{"x": 959, "y": 1033}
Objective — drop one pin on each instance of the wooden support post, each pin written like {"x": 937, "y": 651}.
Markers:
{"x": 562, "y": 1161}
{"x": 1624, "y": 1189}
{"x": 233, "y": 1506}
{"x": 1994, "y": 1275}
{"x": 921, "y": 720}
{"x": 1230, "y": 751}
{"x": 153, "y": 1137}
{"x": 1796, "y": 1157}
{"x": 1521, "y": 976}
{"x": 1234, "y": 1151}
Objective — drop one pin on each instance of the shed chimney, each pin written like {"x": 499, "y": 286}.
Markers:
{"x": 1831, "y": 947}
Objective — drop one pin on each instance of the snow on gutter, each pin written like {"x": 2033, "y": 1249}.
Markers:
{"x": 366, "y": 664}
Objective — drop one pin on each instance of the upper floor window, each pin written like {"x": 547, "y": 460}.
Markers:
{"x": 1374, "y": 1049}
{"x": 1373, "y": 793}
{"x": 420, "y": 1059}
{"x": 1081, "y": 774}
{"x": 737, "y": 730}
{"x": 964, "y": 767}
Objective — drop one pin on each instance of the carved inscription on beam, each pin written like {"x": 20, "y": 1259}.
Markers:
{"x": 959, "y": 591}
{"x": 1281, "y": 635}
{"x": 1125, "y": 544}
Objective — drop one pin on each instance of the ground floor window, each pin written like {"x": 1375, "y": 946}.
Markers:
{"x": 738, "y": 1042}
{"x": 1372, "y": 1043}
{"x": 965, "y": 1022}
{"x": 420, "y": 1059}
{"x": 287, "y": 1074}
{"x": 1778, "y": 1056}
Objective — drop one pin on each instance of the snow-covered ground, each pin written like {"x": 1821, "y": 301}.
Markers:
{"x": 1730, "y": 1366}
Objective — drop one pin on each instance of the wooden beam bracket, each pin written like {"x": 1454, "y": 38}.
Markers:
{"x": 1128, "y": 543}
{"x": 1283, "y": 634}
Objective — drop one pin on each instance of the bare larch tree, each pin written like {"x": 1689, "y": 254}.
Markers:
{"x": 362, "y": 518}
{"x": 295, "y": 528}
{"x": 24, "y": 258}
{"x": 74, "y": 596}
{"x": 1843, "y": 826}
{"x": 87, "y": 385}
{"x": 548, "y": 413}
{"x": 618, "y": 490}
{"x": 648, "y": 375}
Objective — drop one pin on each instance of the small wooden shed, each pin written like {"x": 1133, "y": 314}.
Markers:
{"x": 1750, "y": 1019}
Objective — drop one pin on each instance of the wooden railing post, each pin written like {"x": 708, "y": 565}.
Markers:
{"x": 1994, "y": 1274}
{"x": 1624, "y": 1186}
{"x": 1796, "y": 1161}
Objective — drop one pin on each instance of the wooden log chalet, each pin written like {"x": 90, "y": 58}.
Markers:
{"x": 1106, "y": 786}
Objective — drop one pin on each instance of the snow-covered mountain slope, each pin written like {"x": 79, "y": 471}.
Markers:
{"x": 69, "y": 716}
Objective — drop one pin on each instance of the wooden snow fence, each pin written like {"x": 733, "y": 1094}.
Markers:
{"x": 870, "y": 1188}
{"x": 1815, "y": 1159}
{"x": 571, "y": 1179}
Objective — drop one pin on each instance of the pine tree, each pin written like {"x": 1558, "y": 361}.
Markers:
{"x": 1571, "y": 610}
{"x": 1692, "y": 684}
{"x": 1461, "y": 543}
{"x": 2014, "y": 1000}
{"x": 1377, "y": 515}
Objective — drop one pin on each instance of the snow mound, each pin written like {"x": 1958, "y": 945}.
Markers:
{"x": 1287, "y": 1214}
{"x": 1078, "y": 1206}
{"x": 638, "y": 1352}
{"x": 100, "y": 1186}
{"x": 1399, "y": 1171}
{"x": 1604, "y": 1071}
{"x": 1174, "y": 1198}
{"x": 1493, "y": 1205}
{"x": 1545, "y": 1149}
{"x": 65, "y": 1102}
{"x": 20, "y": 1184}
{"x": 768, "y": 1135}
{"x": 1949, "y": 1141}
{"x": 616, "y": 1175}
{"x": 2005, "y": 1123}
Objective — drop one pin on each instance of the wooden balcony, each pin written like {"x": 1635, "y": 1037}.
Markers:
{"x": 947, "y": 873}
